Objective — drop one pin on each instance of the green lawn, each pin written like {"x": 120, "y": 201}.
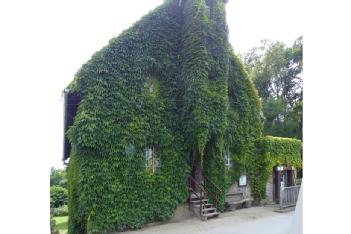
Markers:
{"x": 61, "y": 224}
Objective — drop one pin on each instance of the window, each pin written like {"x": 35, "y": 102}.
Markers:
{"x": 153, "y": 163}
{"x": 151, "y": 86}
{"x": 158, "y": 163}
{"x": 148, "y": 158}
{"x": 228, "y": 160}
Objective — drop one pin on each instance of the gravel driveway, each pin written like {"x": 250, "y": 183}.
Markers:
{"x": 255, "y": 220}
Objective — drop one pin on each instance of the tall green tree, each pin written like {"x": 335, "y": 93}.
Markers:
{"x": 276, "y": 71}
{"x": 58, "y": 177}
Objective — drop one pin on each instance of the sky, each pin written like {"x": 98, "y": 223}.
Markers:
{"x": 78, "y": 30}
{"x": 82, "y": 29}
{"x": 60, "y": 36}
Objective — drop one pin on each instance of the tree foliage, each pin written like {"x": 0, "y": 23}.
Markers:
{"x": 58, "y": 177}
{"x": 58, "y": 196}
{"x": 276, "y": 71}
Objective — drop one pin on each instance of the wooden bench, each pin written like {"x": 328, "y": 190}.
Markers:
{"x": 232, "y": 200}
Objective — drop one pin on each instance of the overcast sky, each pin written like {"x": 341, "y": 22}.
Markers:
{"x": 81, "y": 31}
{"x": 64, "y": 34}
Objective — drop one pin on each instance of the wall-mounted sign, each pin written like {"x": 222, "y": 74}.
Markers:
{"x": 242, "y": 180}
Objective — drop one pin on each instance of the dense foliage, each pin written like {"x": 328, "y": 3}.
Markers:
{"x": 170, "y": 83}
{"x": 58, "y": 177}
{"x": 244, "y": 121}
{"x": 119, "y": 116}
{"x": 277, "y": 73}
{"x": 53, "y": 227}
{"x": 58, "y": 196}
{"x": 272, "y": 151}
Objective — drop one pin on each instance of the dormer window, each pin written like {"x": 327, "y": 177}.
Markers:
{"x": 153, "y": 163}
{"x": 228, "y": 160}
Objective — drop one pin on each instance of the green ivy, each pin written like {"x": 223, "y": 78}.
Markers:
{"x": 117, "y": 119}
{"x": 273, "y": 151}
{"x": 201, "y": 100}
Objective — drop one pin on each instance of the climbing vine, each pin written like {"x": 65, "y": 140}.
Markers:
{"x": 172, "y": 82}
{"x": 273, "y": 151}
{"x": 128, "y": 102}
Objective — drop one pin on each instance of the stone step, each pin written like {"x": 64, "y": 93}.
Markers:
{"x": 196, "y": 198}
{"x": 198, "y": 195}
{"x": 206, "y": 210}
{"x": 198, "y": 201}
{"x": 209, "y": 215}
{"x": 206, "y": 205}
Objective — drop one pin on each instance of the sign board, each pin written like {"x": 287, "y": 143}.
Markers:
{"x": 242, "y": 180}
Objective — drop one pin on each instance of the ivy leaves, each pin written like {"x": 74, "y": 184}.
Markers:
{"x": 170, "y": 81}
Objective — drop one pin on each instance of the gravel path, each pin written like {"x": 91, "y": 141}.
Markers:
{"x": 255, "y": 220}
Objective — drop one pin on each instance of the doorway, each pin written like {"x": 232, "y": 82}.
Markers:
{"x": 281, "y": 179}
{"x": 196, "y": 170}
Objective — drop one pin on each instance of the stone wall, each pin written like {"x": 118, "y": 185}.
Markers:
{"x": 234, "y": 195}
{"x": 181, "y": 213}
{"x": 269, "y": 190}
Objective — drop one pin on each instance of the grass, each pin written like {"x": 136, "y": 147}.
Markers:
{"x": 61, "y": 224}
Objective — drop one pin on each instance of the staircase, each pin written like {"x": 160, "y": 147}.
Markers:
{"x": 199, "y": 202}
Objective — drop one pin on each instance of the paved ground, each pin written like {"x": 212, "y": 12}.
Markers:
{"x": 255, "y": 220}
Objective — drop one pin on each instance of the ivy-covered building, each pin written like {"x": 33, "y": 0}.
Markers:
{"x": 165, "y": 101}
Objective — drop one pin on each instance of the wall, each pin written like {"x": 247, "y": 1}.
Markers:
{"x": 269, "y": 190}
{"x": 233, "y": 189}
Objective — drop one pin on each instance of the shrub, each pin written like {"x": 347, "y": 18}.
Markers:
{"x": 58, "y": 196}
{"x": 58, "y": 177}
{"x": 61, "y": 211}
{"x": 53, "y": 228}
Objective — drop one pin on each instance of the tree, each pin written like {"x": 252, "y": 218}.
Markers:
{"x": 58, "y": 177}
{"x": 58, "y": 196}
{"x": 276, "y": 71}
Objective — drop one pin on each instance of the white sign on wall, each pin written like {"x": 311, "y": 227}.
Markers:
{"x": 242, "y": 180}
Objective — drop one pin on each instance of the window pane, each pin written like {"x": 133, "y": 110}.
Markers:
{"x": 228, "y": 159}
{"x": 158, "y": 162}
{"x": 148, "y": 156}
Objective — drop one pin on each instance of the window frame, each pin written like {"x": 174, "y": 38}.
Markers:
{"x": 228, "y": 160}
{"x": 152, "y": 162}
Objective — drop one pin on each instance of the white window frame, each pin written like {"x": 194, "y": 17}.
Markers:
{"x": 153, "y": 163}
{"x": 228, "y": 160}
{"x": 149, "y": 158}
